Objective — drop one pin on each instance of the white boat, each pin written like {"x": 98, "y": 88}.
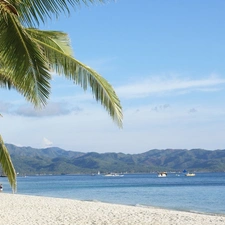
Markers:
{"x": 162, "y": 174}
{"x": 113, "y": 175}
{"x": 190, "y": 174}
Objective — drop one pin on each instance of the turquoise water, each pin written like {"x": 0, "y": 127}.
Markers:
{"x": 203, "y": 193}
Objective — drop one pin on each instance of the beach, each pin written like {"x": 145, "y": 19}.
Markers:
{"x": 19, "y": 209}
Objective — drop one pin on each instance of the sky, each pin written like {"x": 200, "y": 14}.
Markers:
{"x": 166, "y": 61}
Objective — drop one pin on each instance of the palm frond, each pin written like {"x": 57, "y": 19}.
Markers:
{"x": 5, "y": 82}
{"x": 7, "y": 165}
{"x": 22, "y": 57}
{"x": 7, "y": 7}
{"x": 82, "y": 75}
{"x": 25, "y": 87}
{"x": 85, "y": 76}
{"x": 56, "y": 39}
{"x": 34, "y": 12}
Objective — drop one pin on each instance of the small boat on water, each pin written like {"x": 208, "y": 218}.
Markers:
{"x": 162, "y": 174}
{"x": 113, "y": 175}
{"x": 190, "y": 174}
{"x": 94, "y": 174}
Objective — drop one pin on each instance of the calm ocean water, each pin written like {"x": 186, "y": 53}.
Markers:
{"x": 203, "y": 193}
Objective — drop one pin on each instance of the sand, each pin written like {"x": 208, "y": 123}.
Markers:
{"x": 32, "y": 210}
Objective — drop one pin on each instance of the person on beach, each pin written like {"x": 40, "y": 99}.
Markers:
{"x": 1, "y": 187}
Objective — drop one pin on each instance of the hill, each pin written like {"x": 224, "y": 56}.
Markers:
{"x": 54, "y": 160}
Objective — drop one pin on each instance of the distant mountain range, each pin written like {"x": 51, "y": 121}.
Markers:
{"x": 54, "y": 160}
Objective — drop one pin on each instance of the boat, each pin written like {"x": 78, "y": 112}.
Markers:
{"x": 113, "y": 175}
{"x": 94, "y": 174}
{"x": 190, "y": 174}
{"x": 162, "y": 174}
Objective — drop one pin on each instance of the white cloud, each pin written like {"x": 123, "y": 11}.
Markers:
{"x": 51, "y": 109}
{"x": 47, "y": 143}
{"x": 161, "y": 85}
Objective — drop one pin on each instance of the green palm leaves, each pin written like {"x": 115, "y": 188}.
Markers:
{"x": 22, "y": 59}
{"x": 28, "y": 56}
{"x": 56, "y": 48}
{"x": 7, "y": 165}
{"x": 32, "y": 12}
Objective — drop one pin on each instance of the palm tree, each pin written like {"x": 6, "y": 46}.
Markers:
{"x": 29, "y": 55}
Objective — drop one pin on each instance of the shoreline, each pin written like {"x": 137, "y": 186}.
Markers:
{"x": 180, "y": 210}
{"x": 17, "y": 209}
{"x": 134, "y": 205}
{"x": 150, "y": 206}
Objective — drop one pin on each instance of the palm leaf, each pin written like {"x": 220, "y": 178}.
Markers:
{"x": 48, "y": 52}
{"x": 56, "y": 39}
{"x": 34, "y": 12}
{"x": 81, "y": 74}
{"x": 5, "y": 82}
{"x": 7, "y": 165}
{"x": 25, "y": 88}
{"x": 22, "y": 57}
{"x": 7, "y": 7}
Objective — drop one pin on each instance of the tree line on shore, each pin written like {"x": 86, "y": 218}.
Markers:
{"x": 31, "y": 161}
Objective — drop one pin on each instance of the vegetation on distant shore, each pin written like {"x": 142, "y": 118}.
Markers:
{"x": 54, "y": 160}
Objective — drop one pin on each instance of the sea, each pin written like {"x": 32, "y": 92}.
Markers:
{"x": 203, "y": 193}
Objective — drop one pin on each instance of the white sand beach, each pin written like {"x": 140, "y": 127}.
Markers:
{"x": 32, "y": 210}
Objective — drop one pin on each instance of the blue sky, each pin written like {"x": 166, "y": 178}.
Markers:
{"x": 165, "y": 60}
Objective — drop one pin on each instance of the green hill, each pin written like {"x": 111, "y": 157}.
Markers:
{"x": 54, "y": 160}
